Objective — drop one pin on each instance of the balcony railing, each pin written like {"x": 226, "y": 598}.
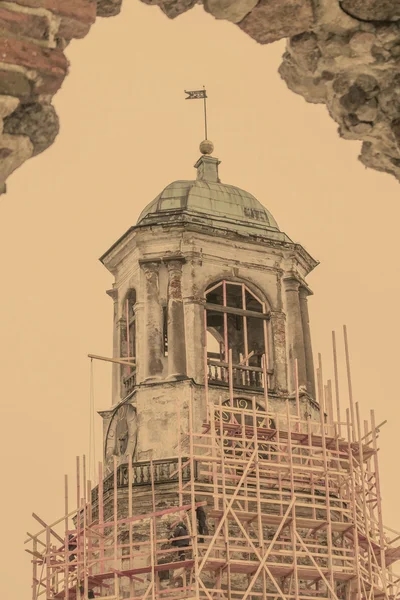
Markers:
{"x": 242, "y": 375}
{"x": 164, "y": 471}
{"x": 129, "y": 382}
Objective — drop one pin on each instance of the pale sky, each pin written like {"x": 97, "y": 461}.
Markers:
{"x": 126, "y": 132}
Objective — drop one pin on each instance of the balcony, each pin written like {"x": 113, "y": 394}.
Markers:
{"x": 164, "y": 471}
{"x": 129, "y": 382}
{"x": 243, "y": 376}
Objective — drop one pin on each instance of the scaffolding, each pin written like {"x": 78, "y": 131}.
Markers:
{"x": 293, "y": 512}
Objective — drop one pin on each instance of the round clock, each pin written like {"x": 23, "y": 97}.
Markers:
{"x": 121, "y": 436}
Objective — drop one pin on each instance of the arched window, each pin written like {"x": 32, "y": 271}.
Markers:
{"x": 128, "y": 342}
{"x": 237, "y": 321}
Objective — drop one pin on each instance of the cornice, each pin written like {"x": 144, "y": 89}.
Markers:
{"x": 113, "y": 293}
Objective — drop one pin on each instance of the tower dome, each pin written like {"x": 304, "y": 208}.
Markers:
{"x": 207, "y": 199}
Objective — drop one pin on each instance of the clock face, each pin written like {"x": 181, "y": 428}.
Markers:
{"x": 121, "y": 436}
{"x": 263, "y": 421}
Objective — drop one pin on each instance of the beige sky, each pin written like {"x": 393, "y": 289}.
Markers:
{"x": 126, "y": 132}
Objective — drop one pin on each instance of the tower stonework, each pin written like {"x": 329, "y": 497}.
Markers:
{"x": 224, "y": 475}
{"x": 192, "y": 237}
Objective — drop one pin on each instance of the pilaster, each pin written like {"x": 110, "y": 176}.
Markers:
{"x": 278, "y": 359}
{"x": 305, "y": 319}
{"x": 153, "y": 321}
{"x": 295, "y": 335}
{"x": 176, "y": 320}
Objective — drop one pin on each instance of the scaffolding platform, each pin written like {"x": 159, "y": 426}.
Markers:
{"x": 293, "y": 512}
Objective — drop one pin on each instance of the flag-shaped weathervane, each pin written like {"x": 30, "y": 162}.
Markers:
{"x": 196, "y": 95}
{"x": 199, "y": 95}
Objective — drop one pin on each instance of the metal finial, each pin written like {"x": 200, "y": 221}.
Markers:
{"x": 206, "y": 147}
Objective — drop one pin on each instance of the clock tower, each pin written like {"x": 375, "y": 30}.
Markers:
{"x": 204, "y": 276}
{"x": 222, "y": 477}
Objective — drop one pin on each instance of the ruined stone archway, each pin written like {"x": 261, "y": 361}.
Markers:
{"x": 342, "y": 53}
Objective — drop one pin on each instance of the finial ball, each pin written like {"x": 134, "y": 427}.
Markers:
{"x": 206, "y": 147}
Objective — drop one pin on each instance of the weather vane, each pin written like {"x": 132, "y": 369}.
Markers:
{"x": 199, "y": 95}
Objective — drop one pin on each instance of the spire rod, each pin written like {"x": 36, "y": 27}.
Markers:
{"x": 198, "y": 95}
{"x": 205, "y": 111}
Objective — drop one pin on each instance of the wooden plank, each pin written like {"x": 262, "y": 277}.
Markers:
{"x": 159, "y": 513}
{"x": 337, "y": 393}
{"x": 42, "y": 531}
{"x": 293, "y": 525}
{"x": 115, "y": 506}
{"x": 130, "y": 514}
{"x": 239, "y": 367}
{"x": 67, "y": 556}
{"x": 349, "y": 384}
{"x": 121, "y": 361}
{"x": 59, "y": 538}
{"x": 236, "y": 311}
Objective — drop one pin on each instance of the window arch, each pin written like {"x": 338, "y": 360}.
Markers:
{"x": 237, "y": 320}
{"x": 128, "y": 341}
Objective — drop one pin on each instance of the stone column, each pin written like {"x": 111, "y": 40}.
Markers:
{"x": 152, "y": 332}
{"x": 305, "y": 319}
{"x": 116, "y": 380}
{"x": 194, "y": 313}
{"x": 279, "y": 359}
{"x": 295, "y": 331}
{"x": 176, "y": 321}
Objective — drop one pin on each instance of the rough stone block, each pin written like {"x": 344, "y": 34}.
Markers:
{"x": 36, "y": 121}
{"x": 231, "y": 10}
{"x": 48, "y": 85}
{"x": 81, "y": 10}
{"x": 301, "y": 82}
{"x": 354, "y": 98}
{"x": 14, "y": 83}
{"x": 335, "y": 44}
{"x": 108, "y": 8}
{"x": 23, "y": 25}
{"x": 306, "y": 51}
{"x": 31, "y": 56}
{"x": 362, "y": 42}
{"x": 172, "y": 8}
{"x": 372, "y": 10}
{"x": 72, "y": 28}
{"x": 7, "y": 105}
{"x": 14, "y": 151}
{"x": 272, "y": 20}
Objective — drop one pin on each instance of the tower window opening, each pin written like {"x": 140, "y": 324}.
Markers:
{"x": 128, "y": 342}
{"x": 237, "y": 324}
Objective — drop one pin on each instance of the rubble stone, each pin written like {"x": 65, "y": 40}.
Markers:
{"x": 343, "y": 53}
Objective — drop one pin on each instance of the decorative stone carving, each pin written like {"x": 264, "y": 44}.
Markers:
{"x": 121, "y": 436}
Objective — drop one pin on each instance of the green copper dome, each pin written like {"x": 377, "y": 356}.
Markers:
{"x": 206, "y": 198}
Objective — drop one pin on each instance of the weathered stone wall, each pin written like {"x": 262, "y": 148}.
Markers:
{"x": 349, "y": 60}
{"x": 33, "y": 36}
{"x": 207, "y": 259}
{"x": 166, "y": 497}
{"x": 344, "y": 53}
